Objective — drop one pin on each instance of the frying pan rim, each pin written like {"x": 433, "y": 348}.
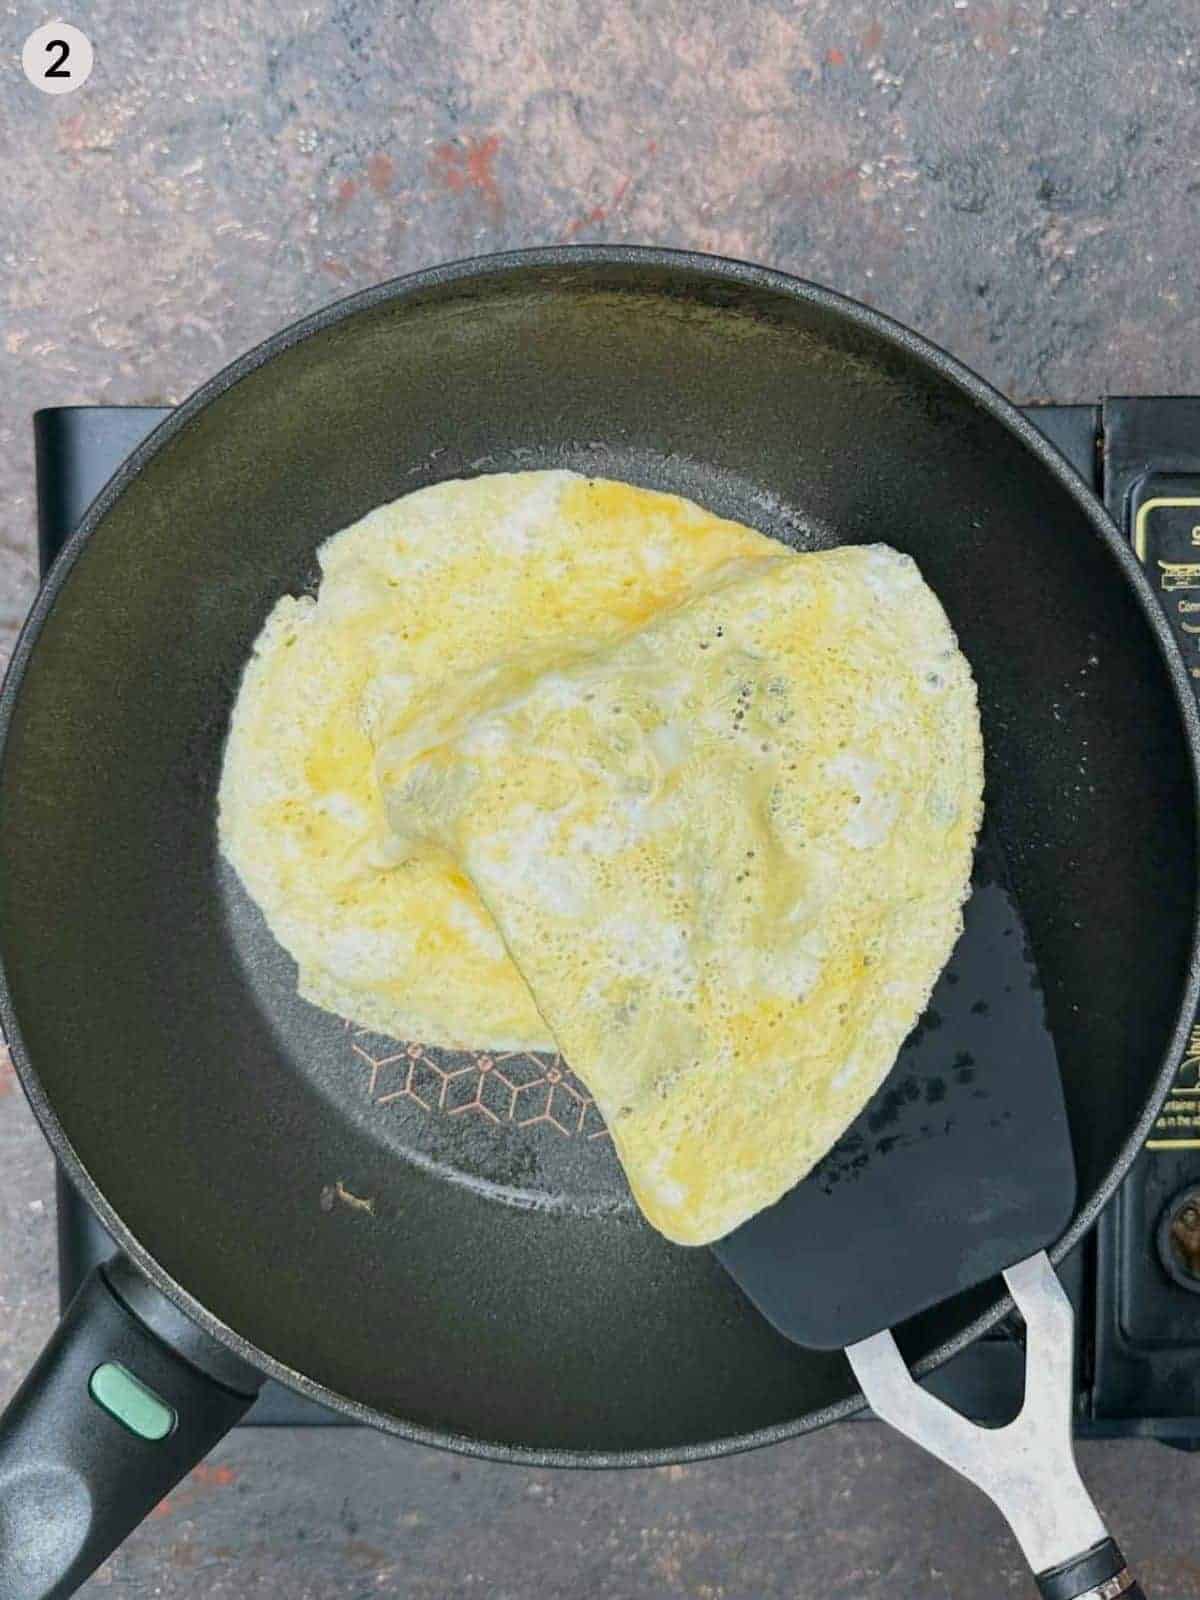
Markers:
{"x": 482, "y": 271}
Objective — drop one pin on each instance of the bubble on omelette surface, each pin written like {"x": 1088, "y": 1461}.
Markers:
{"x": 727, "y": 851}
{"x": 420, "y": 594}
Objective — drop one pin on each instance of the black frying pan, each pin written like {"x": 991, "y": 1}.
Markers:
{"x": 331, "y": 1210}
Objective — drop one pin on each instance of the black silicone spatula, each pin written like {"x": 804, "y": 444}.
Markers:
{"x": 959, "y": 1168}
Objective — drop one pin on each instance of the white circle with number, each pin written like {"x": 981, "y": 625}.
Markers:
{"x": 57, "y": 58}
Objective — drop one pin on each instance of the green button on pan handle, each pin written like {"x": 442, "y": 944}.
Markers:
{"x": 126, "y": 1398}
{"x": 139, "y": 1408}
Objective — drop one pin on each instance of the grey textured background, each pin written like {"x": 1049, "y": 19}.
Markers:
{"x": 1020, "y": 179}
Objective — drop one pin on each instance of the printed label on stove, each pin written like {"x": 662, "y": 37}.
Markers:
{"x": 1178, "y": 1124}
{"x": 1166, "y": 536}
{"x": 1165, "y": 514}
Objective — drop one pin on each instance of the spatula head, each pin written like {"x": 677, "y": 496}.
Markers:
{"x": 958, "y": 1167}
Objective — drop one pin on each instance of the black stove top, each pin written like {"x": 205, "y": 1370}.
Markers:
{"x": 1136, "y": 1280}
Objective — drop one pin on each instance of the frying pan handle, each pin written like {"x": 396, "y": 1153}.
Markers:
{"x": 1098, "y": 1574}
{"x": 125, "y": 1399}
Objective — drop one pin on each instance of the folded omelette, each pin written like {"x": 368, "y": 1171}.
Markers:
{"x": 413, "y": 596}
{"x": 726, "y": 851}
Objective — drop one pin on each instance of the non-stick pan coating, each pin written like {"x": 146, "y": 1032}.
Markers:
{"x": 493, "y": 1282}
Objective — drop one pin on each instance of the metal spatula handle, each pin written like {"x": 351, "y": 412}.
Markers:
{"x": 1028, "y": 1467}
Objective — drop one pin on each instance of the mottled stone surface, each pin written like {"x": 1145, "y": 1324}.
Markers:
{"x": 1017, "y": 178}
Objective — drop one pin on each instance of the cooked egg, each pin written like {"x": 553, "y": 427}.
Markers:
{"x": 415, "y": 598}
{"x": 727, "y": 853}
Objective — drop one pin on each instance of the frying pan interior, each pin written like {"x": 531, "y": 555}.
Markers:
{"x": 447, "y": 1241}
